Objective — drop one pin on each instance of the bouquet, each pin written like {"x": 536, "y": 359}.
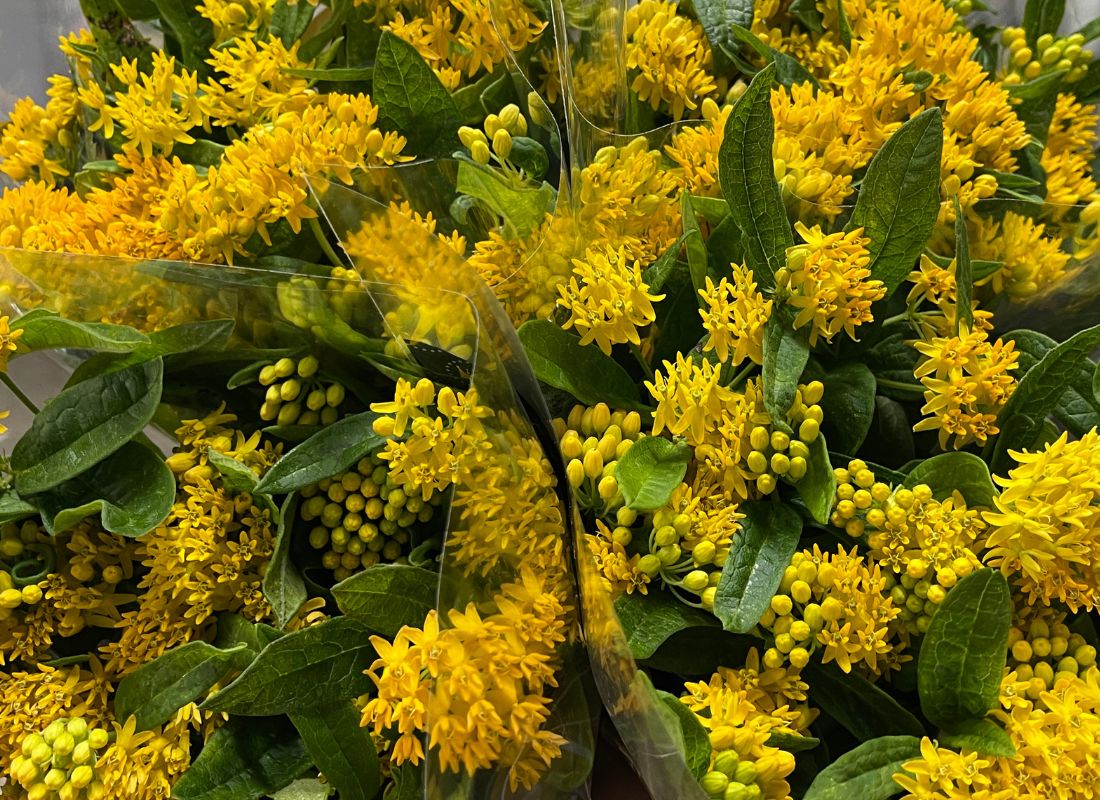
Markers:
{"x": 449, "y": 379}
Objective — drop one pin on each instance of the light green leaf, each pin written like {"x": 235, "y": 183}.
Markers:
{"x": 1042, "y": 16}
{"x": 694, "y": 738}
{"x": 947, "y": 472}
{"x": 14, "y": 508}
{"x": 388, "y": 596}
{"x": 333, "y": 448}
{"x": 862, "y": 708}
{"x": 818, "y": 486}
{"x": 866, "y": 773}
{"x": 159, "y": 688}
{"x": 46, "y": 330}
{"x": 848, "y": 405}
{"x": 693, "y": 243}
{"x": 559, "y": 360}
{"x": 411, "y": 99}
{"x": 761, "y": 551}
{"x": 342, "y": 750}
{"x": 186, "y": 338}
{"x": 649, "y": 619}
{"x": 980, "y": 735}
{"x": 304, "y": 788}
{"x": 651, "y": 470}
{"x": 235, "y": 475}
{"x": 1037, "y": 394}
{"x": 132, "y": 490}
{"x": 899, "y": 198}
{"x": 84, "y": 424}
{"x": 786, "y": 354}
{"x": 282, "y": 584}
{"x": 523, "y": 207}
{"x": 748, "y": 179}
{"x": 243, "y": 760}
{"x": 233, "y": 629}
{"x": 963, "y": 655}
{"x": 844, "y": 28}
{"x": 305, "y": 669}
{"x": 717, "y": 18}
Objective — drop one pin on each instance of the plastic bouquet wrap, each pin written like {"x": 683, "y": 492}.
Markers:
{"x": 461, "y": 390}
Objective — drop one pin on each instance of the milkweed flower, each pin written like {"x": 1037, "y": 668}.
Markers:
{"x": 734, "y": 315}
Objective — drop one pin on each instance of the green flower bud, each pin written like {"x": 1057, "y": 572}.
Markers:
{"x": 284, "y": 367}
{"x": 289, "y": 413}
{"x": 666, "y": 536}
{"x": 289, "y": 390}
{"x": 704, "y": 552}
{"x": 81, "y": 776}
{"x": 736, "y": 791}
{"x": 98, "y": 738}
{"x": 669, "y": 555}
{"x": 746, "y": 772}
{"x": 335, "y": 394}
{"x": 649, "y": 564}
{"x": 726, "y": 762}
{"x": 714, "y": 783}
{"x": 696, "y": 581}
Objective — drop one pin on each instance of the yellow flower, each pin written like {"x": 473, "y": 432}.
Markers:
{"x": 690, "y": 400}
{"x": 829, "y": 283}
{"x": 1033, "y": 260}
{"x": 8, "y": 341}
{"x": 942, "y": 774}
{"x": 607, "y": 299}
{"x": 1046, "y": 530}
{"x": 1067, "y": 157}
{"x": 694, "y": 149}
{"x": 35, "y": 141}
{"x": 253, "y": 83}
{"x": 967, "y": 382}
{"x": 619, "y": 571}
{"x": 671, "y": 55}
{"x": 734, "y": 316}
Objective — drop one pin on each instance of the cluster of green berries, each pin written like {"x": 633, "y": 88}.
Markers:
{"x": 361, "y": 518}
{"x": 1043, "y": 653}
{"x": 496, "y": 133}
{"x": 592, "y": 441}
{"x": 776, "y": 454}
{"x": 732, "y": 777}
{"x": 696, "y": 569}
{"x": 795, "y": 617}
{"x": 59, "y": 763}
{"x": 296, "y": 395}
{"x": 861, "y": 500}
{"x": 916, "y": 599}
{"x": 1050, "y": 54}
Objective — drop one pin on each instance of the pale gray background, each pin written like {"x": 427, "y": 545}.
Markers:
{"x": 28, "y": 53}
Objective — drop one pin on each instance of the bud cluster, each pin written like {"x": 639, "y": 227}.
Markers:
{"x": 59, "y": 763}
{"x": 1044, "y": 650}
{"x": 361, "y": 518}
{"x": 1050, "y": 54}
{"x": 296, "y": 396}
{"x": 592, "y": 441}
{"x": 777, "y": 454}
{"x": 496, "y": 134}
{"x": 738, "y": 776}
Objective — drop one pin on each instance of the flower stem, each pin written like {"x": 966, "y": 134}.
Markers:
{"x": 899, "y": 385}
{"x": 322, "y": 240}
{"x": 646, "y": 369}
{"x": 6, "y": 378}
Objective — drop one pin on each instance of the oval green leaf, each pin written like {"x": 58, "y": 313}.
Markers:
{"x": 867, "y": 772}
{"x": 818, "y": 486}
{"x": 388, "y": 596}
{"x": 651, "y": 470}
{"x": 46, "y": 330}
{"x": 864, "y": 710}
{"x": 848, "y": 405}
{"x": 342, "y": 750}
{"x": 761, "y": 551}
{"x": 412, "y": 100}
{"x": 283, "y": 585}
{"x": 649, "y": 619}
{"x": 84, "y": 424}
{"x": 330, "y": 450}
{"x": 786, "y": 354}
{"x": 981, "y": 735}
{"x": 694, "y": 737}
{"x": 963, "y": 655}
{"x": 950, "y": 471}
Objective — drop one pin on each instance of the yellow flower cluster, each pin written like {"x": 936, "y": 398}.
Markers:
{"x": 834, "y": 602}
{"x": 694, "y": 150}
{"x": 1043, "y": 531}
{"x": 592, "y": 440}
{"x": 1067, "y": 157}
{"x": 1043, "y": 651}
{"x": 1033, "y": 260}
{"x": 671, "y": 56}
{"x": 741, "y": 709}
{"x": 478, "y": 687}
{"x": 36, "y": 140}
{"x": 734, "y": 314}
{"x": 607, "y": 299}
{"x": 828, "y": 282}
{"x": 967, "y": 381}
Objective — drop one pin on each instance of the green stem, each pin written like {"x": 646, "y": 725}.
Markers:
{"x": 740, "y": 376}
{"x": 899, "y": 385}
{"x": 322, "y": 240}
{"x": 6, "y": 378}
{"x": 646, "y": 369}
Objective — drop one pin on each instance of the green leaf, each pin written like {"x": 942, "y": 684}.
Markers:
{"x": 201, "y": 152}
{"x": 867, "y": 772}
{"x": 863, "y": 709}
{"x": 243, "y": 760}
{"x": 45, "y": 330}
{"x": 305, "y": 788}
{"x": 899, "y": 198}
{"x": 694, "y": 738}
{"x": 1079, "y": 408}
{"x": 981, "y": 735}
{"x": 748, "y": 179}
{"x": 283, "y": 585}
{"x": 818, "y": 486}
{"x": 788, "y": 71}
{"x": 649, "y": 619}
{"x": 84, "y": 424}
{"x": 651, "y": 470}
{"x": 559, "y": 360}
{"x": 235, "y": 475}
{"x": 1090, "y": 30}
{"x": 234, "y": 629}
{"x": 132, "y": 490}
{"x": 717, "y": 18}
{"x": 522, "y": 206}
{"x": 792, "y": 743}
{"x": 786, "y": 354}
{"x": 964, "y": 274}
{"x": 289, "y": 22}
{"x": 333, "y": 448}
{"x": 388, "y": 596}
{"x": 320, "y": 664}
{"x": 186, "y": 338}
{"x": 693, "y": 243}
{"x": 848, "y": 405}
{"x": 159, "y": 688}
{"x": 1042, "y": 16}
{"x": 14, "y": 508}
{"x": 194, "y": 33}
{"x": 962, "y": 658}
{"x": 344, "y": 752}
{"x": 1037, "y": 394}
{"x": 947, "y": 472}
{"x": 752, "y": 572}
{"x": 844, "y": 28}
{"x": 412, "y": 101}
{"x": 806, "y": 12}
{"x": 659, "y": 271}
